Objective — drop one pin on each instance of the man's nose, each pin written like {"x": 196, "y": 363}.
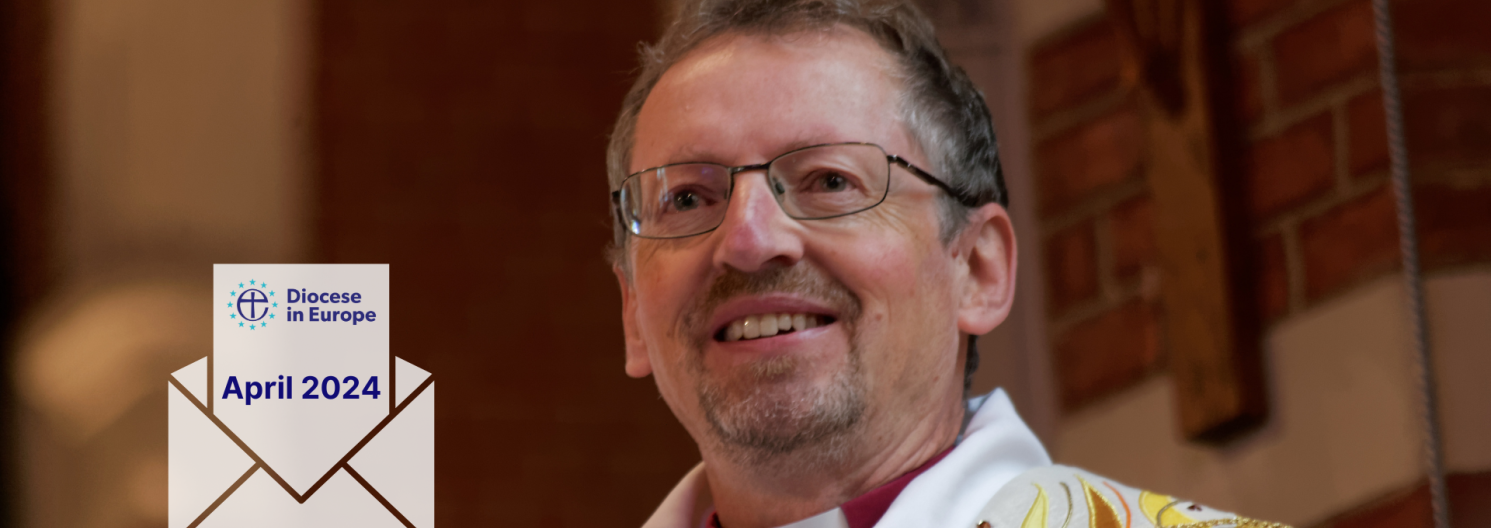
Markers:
{"x": 755, "y": 230}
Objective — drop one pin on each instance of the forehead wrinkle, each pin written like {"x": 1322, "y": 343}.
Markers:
{"x": 702, "y": 90}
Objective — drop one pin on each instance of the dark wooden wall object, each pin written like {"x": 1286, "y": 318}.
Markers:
{"x": 1172, "y": 50}
{"x": 463, "y": 143}
{"x": 25, "y": 174}
{"x": 25, "y": 171}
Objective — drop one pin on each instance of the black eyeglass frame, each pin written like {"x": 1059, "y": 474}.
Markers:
{"x": 891, "y": 159}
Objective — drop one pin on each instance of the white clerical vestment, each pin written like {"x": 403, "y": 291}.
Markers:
{"x": 998, "y": 475}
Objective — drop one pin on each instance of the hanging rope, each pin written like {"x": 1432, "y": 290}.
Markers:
{"x": 1412, "y": 276}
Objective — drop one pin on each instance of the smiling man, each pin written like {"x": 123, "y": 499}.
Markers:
{"x": 811, "y": 232}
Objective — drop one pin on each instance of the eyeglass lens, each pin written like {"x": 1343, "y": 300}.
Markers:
{"x": 811, "y": 183}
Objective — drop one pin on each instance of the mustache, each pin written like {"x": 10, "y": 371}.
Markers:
{"x": 802, "y": 279}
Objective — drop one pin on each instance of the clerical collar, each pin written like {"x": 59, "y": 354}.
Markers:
{"x": 867, "y": 509}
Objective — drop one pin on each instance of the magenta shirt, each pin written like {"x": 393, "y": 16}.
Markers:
{"x": 866, "y": 510}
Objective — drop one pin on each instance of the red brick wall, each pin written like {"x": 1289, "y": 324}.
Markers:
{"x": 464, "y": 144}
{"x": 1469, "y": 499}
{"x": 1305, "y": 97}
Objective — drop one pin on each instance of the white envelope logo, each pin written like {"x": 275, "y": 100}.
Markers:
{"x": 387, "y": 479}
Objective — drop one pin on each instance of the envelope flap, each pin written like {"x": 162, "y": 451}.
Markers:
{"x": 399, "y": 461}
{"x": 194, "y": 378}
{"x": 204, "y": 463}
{"x": 407, "y": 377}
{"x": 260, "y": 502}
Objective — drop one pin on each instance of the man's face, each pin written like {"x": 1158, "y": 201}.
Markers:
{"x": 880, "y": 283}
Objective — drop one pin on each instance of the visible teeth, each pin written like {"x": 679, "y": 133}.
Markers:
{"x": 767, "y": 325}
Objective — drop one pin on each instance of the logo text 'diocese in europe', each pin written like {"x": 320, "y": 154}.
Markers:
{"x": 253, "y": 308}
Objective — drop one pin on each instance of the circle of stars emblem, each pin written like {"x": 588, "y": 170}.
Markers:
{"x": 233, "y": 298}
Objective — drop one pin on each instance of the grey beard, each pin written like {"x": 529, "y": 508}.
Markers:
{"x": 770, "y": 420}
{"x": 760, "y": 415}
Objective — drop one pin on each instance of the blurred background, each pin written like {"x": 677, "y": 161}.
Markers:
{"x": 462, "y": 143}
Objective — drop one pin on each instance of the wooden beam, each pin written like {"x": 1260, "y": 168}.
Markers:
{"x": 1213, "y": 349}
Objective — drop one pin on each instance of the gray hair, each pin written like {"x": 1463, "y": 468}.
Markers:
{"x": 940, "y": 107}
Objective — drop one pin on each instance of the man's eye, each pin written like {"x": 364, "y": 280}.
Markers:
{"x": 831, "y": 182}
{"x": 686, "y": 200}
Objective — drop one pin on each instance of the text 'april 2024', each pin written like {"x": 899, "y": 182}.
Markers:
{"x": 285, "y": 388}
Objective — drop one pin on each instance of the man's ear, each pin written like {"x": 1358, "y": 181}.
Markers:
{"x": 987, "y": 249}
{"x": 638, "y": 364}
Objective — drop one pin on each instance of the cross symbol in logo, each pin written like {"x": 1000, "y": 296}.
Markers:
{"x": 252, "y": 298}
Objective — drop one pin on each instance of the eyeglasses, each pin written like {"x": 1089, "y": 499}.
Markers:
{"x": 810, "y": 183}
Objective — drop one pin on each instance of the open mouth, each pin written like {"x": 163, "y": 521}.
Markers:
{"x": 767, "y": 325}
